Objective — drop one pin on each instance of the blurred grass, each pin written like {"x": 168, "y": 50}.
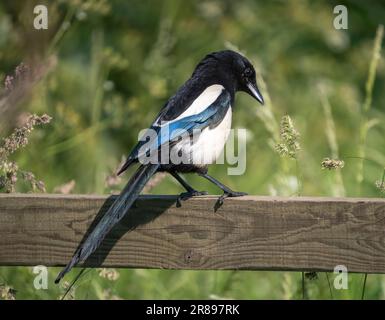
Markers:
{"x": 118, "y": 62}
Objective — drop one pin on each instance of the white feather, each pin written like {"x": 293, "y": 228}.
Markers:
{"x": 209, "y": 144}
{"x": 202, "y": 102}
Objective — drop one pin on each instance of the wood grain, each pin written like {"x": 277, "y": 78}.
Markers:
{"x": 245, "y": 233}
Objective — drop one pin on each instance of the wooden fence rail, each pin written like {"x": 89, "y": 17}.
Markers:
{"x": 264, "y": 233}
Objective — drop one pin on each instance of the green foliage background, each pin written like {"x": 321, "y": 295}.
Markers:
{"x": 118, "y": 61}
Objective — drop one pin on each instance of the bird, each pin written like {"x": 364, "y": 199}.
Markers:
{"x": 202, "y": 107}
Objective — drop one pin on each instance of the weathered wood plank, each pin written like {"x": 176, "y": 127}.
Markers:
{"x": 245, "y": 233}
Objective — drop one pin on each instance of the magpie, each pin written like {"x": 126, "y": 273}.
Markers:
{"x": 202, "y": 105}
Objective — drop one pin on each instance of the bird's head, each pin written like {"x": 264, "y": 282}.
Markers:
{"x": 236, "y": 69}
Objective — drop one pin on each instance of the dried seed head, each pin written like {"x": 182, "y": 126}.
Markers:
{"x": 65, "y": 285}
{"x": 19, "y": 137}
{"x": 3, "y": 181}
{"x": 380, "y": 185}
{"x": 36, "y": 185}
{"x": 21, "y": 70}
{"x": 332, "y": 164}
{"x": 66, "y": 188}
{"x": 20, "y": 74}
{"x": 110, "y": 274}
{"x": 8, "y": 178}
{"x": 70, "y": 295}
{"x": 7, "y": 293}
{"x": 289, "y": 145}
{"x": 8, "y": 83}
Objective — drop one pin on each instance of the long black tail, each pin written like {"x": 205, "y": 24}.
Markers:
{"x": 114, "y": 214}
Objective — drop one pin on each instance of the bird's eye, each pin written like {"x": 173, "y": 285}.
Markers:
{"x": 247, "y": 73}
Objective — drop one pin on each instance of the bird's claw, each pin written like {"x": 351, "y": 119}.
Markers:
{"x": 225, "y": 195}
{"x": 186, "y": 195}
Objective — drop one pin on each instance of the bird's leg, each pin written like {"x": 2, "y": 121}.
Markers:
{"x": 227, "y": 192}
{"x": 184, "y": 183}
{"x": 190, "y": 191}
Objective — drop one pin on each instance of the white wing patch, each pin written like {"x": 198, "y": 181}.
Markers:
{"x": 204, "y": 100}
{"x": 209, "y": 144}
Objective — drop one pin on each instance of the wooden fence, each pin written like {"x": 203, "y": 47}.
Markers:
{"x": 254, "y": 233}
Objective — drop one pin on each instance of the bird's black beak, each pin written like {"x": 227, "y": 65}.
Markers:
{"x": 254, "y": 92}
